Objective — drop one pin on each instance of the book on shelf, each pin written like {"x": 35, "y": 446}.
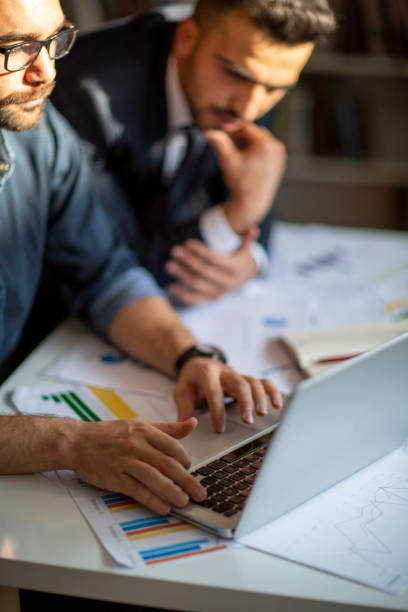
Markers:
{"x": 375, "y": 27}
{"x": 316, "y": 350}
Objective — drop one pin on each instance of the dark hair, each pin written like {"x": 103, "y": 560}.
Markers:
{"x": 291, "y": 22}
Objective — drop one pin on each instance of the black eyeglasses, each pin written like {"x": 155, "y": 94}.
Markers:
{"x": 23, "y": 54}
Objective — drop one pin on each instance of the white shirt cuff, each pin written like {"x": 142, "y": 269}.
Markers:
{"x": 220, "y": 237}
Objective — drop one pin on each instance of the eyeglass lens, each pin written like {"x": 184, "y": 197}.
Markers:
{"x": 25, "y": 54}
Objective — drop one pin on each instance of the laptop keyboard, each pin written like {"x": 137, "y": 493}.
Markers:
{"x": 229, "y": 479}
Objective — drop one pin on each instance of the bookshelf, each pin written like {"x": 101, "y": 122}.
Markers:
{"x": 346, "y": 124}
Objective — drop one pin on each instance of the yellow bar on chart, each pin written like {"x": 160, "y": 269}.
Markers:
{"x": 113, "y": 402}
{"x": 396, "y": 304}
{"x": 153, "y": 534}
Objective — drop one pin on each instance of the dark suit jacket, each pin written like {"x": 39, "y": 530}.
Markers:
{"x": 112, "y": 89}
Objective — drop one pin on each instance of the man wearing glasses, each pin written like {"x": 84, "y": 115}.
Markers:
{"x": 192, "y": 212}
{"x": 49, "y": 212}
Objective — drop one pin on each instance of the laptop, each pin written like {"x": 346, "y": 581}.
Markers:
{"x": 332, "y": 426}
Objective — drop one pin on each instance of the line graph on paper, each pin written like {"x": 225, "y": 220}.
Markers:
{"x": 357, "y": 529}
{"x": 370, "y": 536}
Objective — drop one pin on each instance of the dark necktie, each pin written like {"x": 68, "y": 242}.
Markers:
{"x": 175, "y": 188}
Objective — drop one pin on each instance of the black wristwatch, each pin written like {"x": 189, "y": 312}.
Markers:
{"x": 199, "y": 350}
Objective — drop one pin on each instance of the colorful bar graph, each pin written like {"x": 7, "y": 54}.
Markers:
{"x": 154, "y": 526}
{"x": 113, "y": 402}
{"x": 116, "y": 502}
{"x": 177, "y": 551}
{"x": 75, "y": 403}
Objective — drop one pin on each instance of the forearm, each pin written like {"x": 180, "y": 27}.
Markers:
{"x": 150, "y": 331}
{"x": 35, "y": 444}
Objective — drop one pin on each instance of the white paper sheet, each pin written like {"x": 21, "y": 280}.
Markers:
{"x": 92, "y": 403}
{"x": 93, "y": 361}
{"x": 357, "y": 529}
{"x": 309, "y": 256}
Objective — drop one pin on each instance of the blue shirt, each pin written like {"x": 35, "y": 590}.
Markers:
{"x": 50, "y": 213}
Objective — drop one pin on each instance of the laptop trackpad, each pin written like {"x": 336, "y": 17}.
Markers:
{"x": 204, "y": 444}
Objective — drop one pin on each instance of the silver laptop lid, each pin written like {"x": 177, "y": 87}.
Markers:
{"x": 333, "y": 425}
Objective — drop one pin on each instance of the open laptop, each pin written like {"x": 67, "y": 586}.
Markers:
{"x": 332, "y": 426}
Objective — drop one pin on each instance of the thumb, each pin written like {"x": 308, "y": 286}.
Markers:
{"x": 179, "y": 429}
{"x": 221, "y": 144}
{"x": 250, "y": 235}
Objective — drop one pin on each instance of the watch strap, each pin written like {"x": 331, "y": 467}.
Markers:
{"x": 210, "y": 352}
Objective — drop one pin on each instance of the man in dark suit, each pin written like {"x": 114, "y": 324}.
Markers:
{"x": 199, "y": 216}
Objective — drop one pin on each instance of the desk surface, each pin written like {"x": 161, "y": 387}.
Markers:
{"x": 46, "y": 544}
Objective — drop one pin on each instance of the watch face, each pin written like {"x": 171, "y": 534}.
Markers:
{"x": 207, "y": 348}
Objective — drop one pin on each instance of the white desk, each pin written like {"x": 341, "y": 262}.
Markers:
{"x": 46, "y": 545}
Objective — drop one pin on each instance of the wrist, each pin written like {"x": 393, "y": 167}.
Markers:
{"x": 236, "y": 213}
{"x": 68, "y": 441}
{"x": 208, "y": 351}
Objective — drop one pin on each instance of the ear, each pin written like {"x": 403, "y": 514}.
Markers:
{"x": 186, "y": 36}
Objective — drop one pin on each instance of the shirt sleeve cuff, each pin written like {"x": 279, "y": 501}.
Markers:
{"x": 219, "y": 236}
{"x": 261, "y": 257}
{"x": 132, "y": 285}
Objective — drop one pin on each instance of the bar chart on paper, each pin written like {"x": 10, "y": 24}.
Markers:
{"x": 151, "y": 529}
{"x": 108, "y": 398}
{"x": 133, "y": 535}
{"x": 91, "y": 404}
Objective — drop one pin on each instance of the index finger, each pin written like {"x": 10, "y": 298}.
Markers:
{"x": 168, "y": 445}
{"x": 209, "y": 255}
{"x": 214, "y": 395}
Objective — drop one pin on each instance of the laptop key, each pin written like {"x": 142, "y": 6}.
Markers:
{"x": 220, "y": 497}
{"x": 223, "y": 507}
{"x": 238, "y": 476}
{"x": 217, "y": 465}
{"x": 243, "y": 462}
{"x": 238, "y": 453}
{"x": 230, "y": 469}
{"x": 216, "y": 488}
{"x": 248, "y": 471}
{"x": 208, "y": 480}
{"x": 237, "y": 499}
{"x": 231, "y": 491}
{"x": 227, "y": 482}
{"x": 242, "y": 486}
{"x": 207, "y": 503}
{"x": 231, "y": 512}
{"x": 220, "y": 475}
{"x": 205, "y": 471}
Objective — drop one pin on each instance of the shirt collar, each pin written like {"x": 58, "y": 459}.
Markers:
{"x": 7, "y": 161}
{"x": 178, "y": 111}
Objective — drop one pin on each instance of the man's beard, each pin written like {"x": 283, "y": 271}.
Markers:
{"x": 15, "y": 116}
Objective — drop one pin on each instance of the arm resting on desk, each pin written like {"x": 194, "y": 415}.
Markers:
{"x": 129, "y": 456}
